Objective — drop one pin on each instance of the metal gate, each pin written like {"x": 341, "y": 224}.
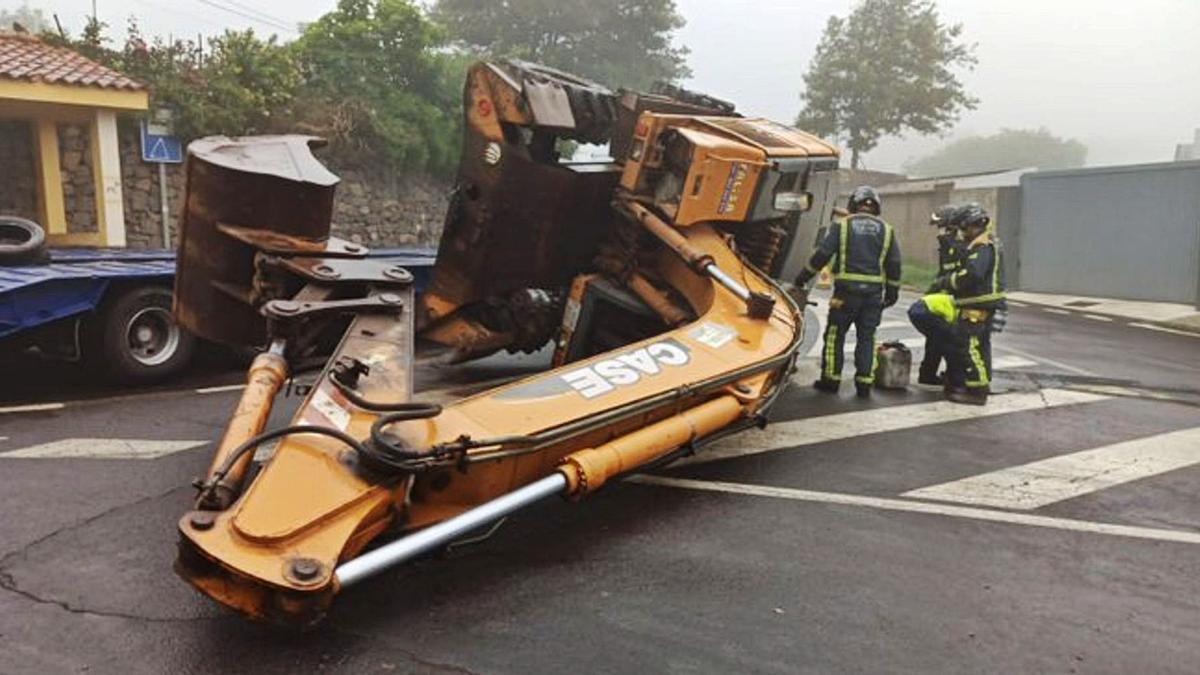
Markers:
{"x": 1129, "y": 232}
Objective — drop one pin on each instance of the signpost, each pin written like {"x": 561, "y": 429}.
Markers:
{"x": 161, "y": 148}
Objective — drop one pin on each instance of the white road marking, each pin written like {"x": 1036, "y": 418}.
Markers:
{"x": 1012, "y": 362}
{"x": 1036, "y": 484}
{"x": 827, "y": 428}
{"x": 886, "y": 504}
{"x": 1055, "y": 310}
{"x": 1164, "y": 329}
{"x": 33, "y": 407}
{"x": 1098, "y": 317}
{"x": 1050, "y": 362}
{"x": 101, "y": 448}
{"x": 220, "y": 389}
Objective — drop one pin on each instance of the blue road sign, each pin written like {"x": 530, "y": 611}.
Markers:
{"x": 160, "y": 147}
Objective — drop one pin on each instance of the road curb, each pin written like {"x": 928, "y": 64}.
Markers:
{"x": 1190, "y": 324}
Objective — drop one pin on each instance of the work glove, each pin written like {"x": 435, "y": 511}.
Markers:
{"x": 999, "y": 319}
{"x": 803, "y": 278}
{"x": 890, "y": 296}
{"x": 799, "y": 293}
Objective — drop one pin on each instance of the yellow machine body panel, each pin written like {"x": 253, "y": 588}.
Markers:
{"x": 704, "y": 169}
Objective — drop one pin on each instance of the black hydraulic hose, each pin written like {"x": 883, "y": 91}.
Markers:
{"x": 258, "y": 440}
{"x": 367, "y": 404}
{"x": 410, "y": 411}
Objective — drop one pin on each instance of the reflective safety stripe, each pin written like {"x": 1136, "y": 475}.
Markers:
{"x": 980, "y": 367}
{"x": 996, "y": 271}
{"x": 840, "y": 274}
{"x": 843, "y": 244}
{"x": 831, "y": 350}
{"x": 868, "y": 278}
{"x": 887, "y": 244}
{"x": 893, "y": 283}
{"x": 808, "y": 268}
{"x": 981, "y": 299}
{"x": 870, "y": 379}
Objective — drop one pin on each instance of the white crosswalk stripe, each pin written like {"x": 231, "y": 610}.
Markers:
{"x": 945, "y": 510}
{"x": 32, "y": 407}
{"x": 824, "y": 429}
{"x": 1037, "y": 484}
{"x": 101, "y": 448}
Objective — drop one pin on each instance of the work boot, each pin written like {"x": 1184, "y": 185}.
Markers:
{"x": 827, "y": 386}
{"x": 862, "y": 390}
{"x": 967, "y": 396}
{"x": 932, "y": 378}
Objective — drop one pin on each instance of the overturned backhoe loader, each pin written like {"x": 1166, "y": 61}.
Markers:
{"x": 650, "y": 273}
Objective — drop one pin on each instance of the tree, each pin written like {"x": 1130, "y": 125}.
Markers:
{"x": 1008, "y": 149}
{"x": 886, "y": 68}
{"x": 237, "y": 84}
{"x": 626, "y": 43}
{"x": 31, "y": 20}
{"x": 378, "y": 73}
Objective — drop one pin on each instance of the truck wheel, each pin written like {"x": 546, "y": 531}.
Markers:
{"x": 21, "y": 241}
{"x": 134, "y": 338}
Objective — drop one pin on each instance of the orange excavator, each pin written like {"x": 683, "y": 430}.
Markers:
{"x": 649, "y": 272}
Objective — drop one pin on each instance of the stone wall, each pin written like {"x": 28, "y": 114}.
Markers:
{"x": 381, "y": 208}
{"x": 372, "y": 207}
{"x": 79, "y": 185}
{"x": 18, "y": 172}
{"x": 143, "y": 206}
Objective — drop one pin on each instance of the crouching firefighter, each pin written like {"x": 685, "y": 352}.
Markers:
{"x": 866, "y": 278}
{"x": 935, "y": 314}
{"x": 978, "y": 289}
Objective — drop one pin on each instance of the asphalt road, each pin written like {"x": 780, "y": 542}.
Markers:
{"x": 1056, "y": 530}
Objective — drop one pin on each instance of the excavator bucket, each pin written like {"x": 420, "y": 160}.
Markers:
{"x": 645, "y": 271}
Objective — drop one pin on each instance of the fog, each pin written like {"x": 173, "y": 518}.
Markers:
{"x": 1120, "y": 76}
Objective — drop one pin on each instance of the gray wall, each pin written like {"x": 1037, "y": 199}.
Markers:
{"x": 1128, "y": 232}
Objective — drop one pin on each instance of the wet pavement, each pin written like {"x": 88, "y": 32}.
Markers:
{"x": 775, "y": 553}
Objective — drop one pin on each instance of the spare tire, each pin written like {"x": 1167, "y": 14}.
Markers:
{"x": 21, "y": 241}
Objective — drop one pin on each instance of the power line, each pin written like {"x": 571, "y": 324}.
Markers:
{"x": 251, "y": 17}
{"x": 179, "y": 12}
{"x": 257, "y": 12}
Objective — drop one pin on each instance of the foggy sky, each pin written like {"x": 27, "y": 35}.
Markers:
{"x": 1123, "y": 76}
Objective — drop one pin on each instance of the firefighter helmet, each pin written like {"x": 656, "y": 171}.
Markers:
{"x": 971, "y": 215}
{"x": 943, "y": 216}
{"x": 864, "y": 198}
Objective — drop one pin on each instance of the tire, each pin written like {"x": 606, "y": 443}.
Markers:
{"x": 134, "y": 339}
{"x": 22, "y": 241}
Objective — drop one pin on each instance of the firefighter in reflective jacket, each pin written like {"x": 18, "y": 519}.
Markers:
{"x": 978, "y": 289}
{"x": 935, "y": 314}
{"x": 866, "y": 278}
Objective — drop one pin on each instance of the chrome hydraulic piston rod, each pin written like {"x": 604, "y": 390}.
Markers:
{"x": 581, "y": 472}
{"x": 405, "y": 549}
{"x": 759, "y": 305}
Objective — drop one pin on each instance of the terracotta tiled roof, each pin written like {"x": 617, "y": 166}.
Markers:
{"x": 24, "y": 57}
